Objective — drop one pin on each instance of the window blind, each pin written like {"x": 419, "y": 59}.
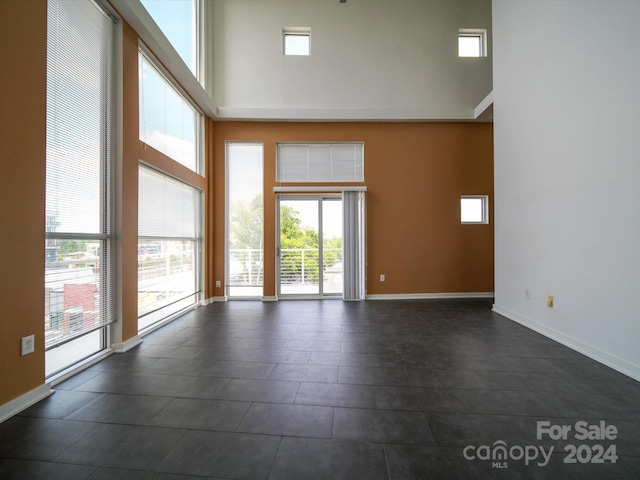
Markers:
{"x": 167, "y": 208}
{"x": 78, "y": 253}
{"x": 320, "y": 162}
{"x": 169, "y": 230}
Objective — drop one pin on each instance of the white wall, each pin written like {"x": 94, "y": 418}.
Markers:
{"x": 370, "y": 59}
{"x": 567, "y": 172}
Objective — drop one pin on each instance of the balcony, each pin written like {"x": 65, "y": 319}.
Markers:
{"x": 299, "y": 271}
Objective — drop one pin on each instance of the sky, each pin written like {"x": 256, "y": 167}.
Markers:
{"x": 176, "y": 19}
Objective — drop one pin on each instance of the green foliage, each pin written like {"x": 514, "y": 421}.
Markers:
{"x": 294, "y": 238}
{"x": 246, "y": 224}
{"x": 65, "y": 247}
{"x": 247, "y": 232}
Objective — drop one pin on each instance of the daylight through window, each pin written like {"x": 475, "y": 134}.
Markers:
{"x": 474, "y": 209}
{"x": 472, "y": 43}
{"x": 297, "y": 43}
{"x": 79, "y": 160}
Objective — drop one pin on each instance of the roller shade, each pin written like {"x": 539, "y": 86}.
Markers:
{"x": 320, "y": 162}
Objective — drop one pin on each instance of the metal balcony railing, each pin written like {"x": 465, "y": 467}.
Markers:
{"x": 298, "y": 266}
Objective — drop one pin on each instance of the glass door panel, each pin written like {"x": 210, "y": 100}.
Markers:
{"x": 310, "y": 249}
{"x": 332, "y": 246}
{"x": 299, "y": 252}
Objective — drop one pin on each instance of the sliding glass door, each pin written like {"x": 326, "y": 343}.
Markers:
{"x": 310, "y": 245}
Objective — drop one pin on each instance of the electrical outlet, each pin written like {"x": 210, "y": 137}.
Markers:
{"x": 527, "y": 294}
{"x": 382, "y": 278}
{"x": 550, "y": 301}
{"x": 27, "y": 345}
{"x": 218, "y": 283}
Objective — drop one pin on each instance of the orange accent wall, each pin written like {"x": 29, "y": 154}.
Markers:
{"x": 135, "y": 151}
{"x": 22, "y": 188}
{"x": 415, "y": 174}
{"x": 128, "y": 178}
{"x": 210, "y": 216}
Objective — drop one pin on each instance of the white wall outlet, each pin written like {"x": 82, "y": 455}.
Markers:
{"x": 218, "y": 283}
{"x": 550, "y": 301}
{"x": 527, "y": 294}
{"x": 382, "y": 278}
{"x": 27, "y": 345}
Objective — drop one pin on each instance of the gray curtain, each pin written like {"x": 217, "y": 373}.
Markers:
{"x": 353, "y": 245}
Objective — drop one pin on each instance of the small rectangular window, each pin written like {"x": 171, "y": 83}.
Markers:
{"x": 296, "y": 42}
{"x": 474, "y": 209}
{"x": 472, "y": 43}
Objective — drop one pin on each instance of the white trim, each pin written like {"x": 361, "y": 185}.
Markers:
{"x": 24, "y": 401}
{"x": 271, "y": 298}
{"x": 295, "y": 296}
{"x": 222, "y": 298}
{"x": 346, "y": 114}
{"x": 596, "y": 354}
{"x": 483, "y": 105}
{"x": 428, "y": 296}
{"x": 127, "y": 344}
{"x": 319, "y": 188}
{"x": 78, "y": 367}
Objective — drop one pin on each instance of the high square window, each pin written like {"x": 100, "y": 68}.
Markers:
{"x": 296, "y": 42}
{"x": 472, "y": 43}
{"x": 474, "y": 209}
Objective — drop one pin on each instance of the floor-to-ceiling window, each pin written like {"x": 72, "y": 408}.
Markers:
{"x": 169, "y": 207}
{"x": 245, "y": 219}
{"x": 79, "y": 159}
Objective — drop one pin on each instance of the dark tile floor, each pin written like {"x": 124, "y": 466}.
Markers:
{"x": 333, "y": 390}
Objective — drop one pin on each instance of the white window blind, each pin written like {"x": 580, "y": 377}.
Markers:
{"x": 320, "y": 162}
{"x": 78, "y": 253}
{"x": 169, "y": 230}
{"x": 168, "y": 208}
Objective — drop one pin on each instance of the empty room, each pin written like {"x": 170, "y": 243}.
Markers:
{"x": 319, "y": 239}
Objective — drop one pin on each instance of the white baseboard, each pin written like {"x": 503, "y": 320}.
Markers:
{"x": 24, "y": 401}
{"x": 78, "y": 367}
{"x": 596, "y": 354}
{"x": 429, "y": 296}
{"x": 127, "y": 344}
{"x": 210, "y": 300}
{"x": 273, "y": 298}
